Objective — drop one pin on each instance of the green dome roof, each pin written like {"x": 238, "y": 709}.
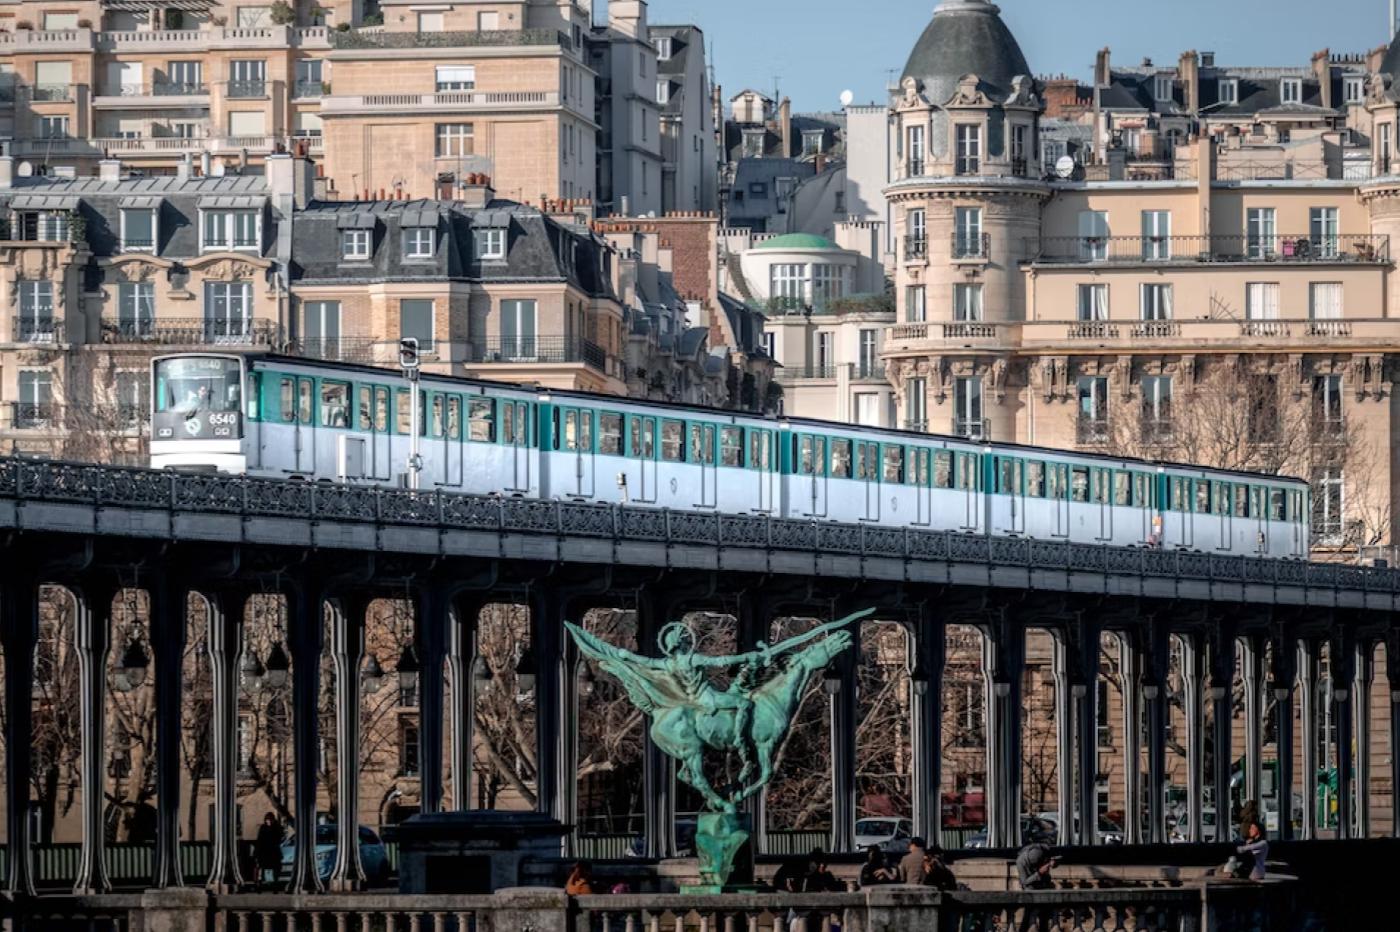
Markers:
{"x": 797, "y": 241}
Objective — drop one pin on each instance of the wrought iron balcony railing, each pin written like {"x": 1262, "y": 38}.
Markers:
{"x": 975, "y": 246}
{"x": 190, "y": 331}
{"x": 972, "y": 428}
{"x": 915, "y": 247}
{"x": 41, "y": 329}
{"x": 547, "y": 350}
{"x": 31, "y": 415}
{"x": 1091, "y": 430}
{"x": 1093, "y": 250}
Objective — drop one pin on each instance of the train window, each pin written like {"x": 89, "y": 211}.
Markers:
{"x": 943, "y": 470}
{"x": 1276, "y": 505}
{"x": 758, "y": 449}
{"x": 921, "y": 461}
{"x": 1122, "y": 488}
{"x": 894, "y": 463}
{"x": 335, "y": 404}
{"x": 610, "y": 434}
{"x": 1059, "y": 480}
{"x": 435, "y": 414}
{"x": 570, "y": 430}
{"x": 1009, "y": 474}
{"x": 1181, "y": 494}
{"x": 1202, "y": 497}
{"x": 967, "y": 471}
{"x": 585, "y": 431}
{"x": 731, "y": 446}
{"x": 366, "y": 406}
{"x": 1142, "y": 490}
{"x": 481, "y": 413}
{"x": 1241, "y": 494}
{"x": 306, "y": 401}
{"x": 1295, "y": 506}
{"x": 840, "y": 459}
{"x": 454, "y": 418}
{"x": 1035, "y": 480}
{"x": 806, "y": 464}
{"x": 1100, "y": 484}
{"x": 403, "y": 413}
{"x": 869, "y": 464}
{"x": 381, "y": 409}
{"x": 508, "y": 422}
{"x": 819, "y": 453}
{"x": 1256, "y": 501}
{"x": 1079, "y": 484}
{"x": 641, "y": 434}
{"x": 1222, "y": 498}
{"x": 518, "y": 430}
{"x": 288, "y": 406}
{"x": 702, "y": 444}
{"x": 673, "y": 441}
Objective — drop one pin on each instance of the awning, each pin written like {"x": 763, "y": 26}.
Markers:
{"x": 232, "y": 202}
{"x": 141, "y": 202}
{"x": 44, "y": 202}
{"x": 420, "y": 217}
{"x": 145, "y": 6}
{"x": 355, "y": 222}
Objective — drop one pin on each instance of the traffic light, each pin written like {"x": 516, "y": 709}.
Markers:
{"x": 408, "y": 353}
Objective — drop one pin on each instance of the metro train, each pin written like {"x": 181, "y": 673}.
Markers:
{"x": 290, "y": 418}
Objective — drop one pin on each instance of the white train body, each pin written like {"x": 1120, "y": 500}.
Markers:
{"x": 291, "y": 418}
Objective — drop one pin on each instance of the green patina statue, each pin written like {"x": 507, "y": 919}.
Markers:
{"x": 749, "y": 718}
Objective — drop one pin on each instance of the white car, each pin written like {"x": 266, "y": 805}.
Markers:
{"x": 892, "y": 834}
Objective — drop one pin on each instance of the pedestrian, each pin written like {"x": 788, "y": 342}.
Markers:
{"x": 790, "y": 874}
{"x": 1033, "y": 866}
{"x": 580, "y": 882}
{"x": 267, "y": 849}
{"x": 875, "y": 871}
{"x": 911, "y": 866}
{"x": 937, "y": 873}
{"x": 819, "y": 877}
{"x": 1256, "y": 846}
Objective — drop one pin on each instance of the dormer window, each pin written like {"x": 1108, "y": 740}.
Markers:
{"x": 491, "y": 244}
{"x": 1290, "y": 91}
{"x": 138, "y": 229}
{"x": 812, "y": 142}
{"x": 663, "y": 92}
{"x": 419, "y": 243}
{"x": 354, "y": 244}
{"x": 1163, "y": 88}
{"x": 1354, "y": 89}
{"x": 1229, "y": 91}
{"x": 753, "y": 143}
{"x": 663, "y": 48}
{"x": 969, "y": 150}
{"x": 231, "y": 229}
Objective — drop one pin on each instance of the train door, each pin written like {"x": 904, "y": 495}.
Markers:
{"x": 641, "y": 446}
{"x": 1101, "y": 499}
{"x": 761, "y": 461}
{"x": 868, "y": 474}
{"x": 812, "y": 470}
{"x": 923, "y": 487}
{"x": 447, "y": 430}
{"x": 1058, "y": 492}
{"x": 304, "y": 439}
{"x": 968, "y": 482}
{"x": 702, "y": 454}
{"x": 1011, "y": 492}
{"x": 576, "y": 441}
{"x": 515, "y": 436}
{"x": 373, "y": 419}
{"x": 1257, "y": 523}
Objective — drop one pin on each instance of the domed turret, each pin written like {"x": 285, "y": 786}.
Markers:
{"x": 966, "y": 37}
{"x": 1390, "y": 65}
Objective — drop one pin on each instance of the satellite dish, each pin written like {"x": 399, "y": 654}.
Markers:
{"x": 846, "y": 98}
{"x": 26, "y": 169}
{"x": 1064, "y": 167}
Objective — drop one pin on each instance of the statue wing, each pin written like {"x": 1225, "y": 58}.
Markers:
{"x": 649, "y": 685}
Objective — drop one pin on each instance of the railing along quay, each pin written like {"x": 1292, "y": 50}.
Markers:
{"x": 109, "y": 487}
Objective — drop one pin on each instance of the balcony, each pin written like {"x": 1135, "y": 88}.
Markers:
{"x": 974, "y": 246}
{"x": 1091, "y": 430}
{"x": 1361, "y": 248}
{"x": 439, "y": 102}
{"x": 1156, "y": 330}
{"x": 306, "y": 90}
{"x": 915, "y": 249}
{"x": 869, "y": 371}
{"x": 374, "y": 38}
{"x": 49, "y": 93}
{"x": 46, "y": 41}
{"x": 972, "y": 428}
{"x": 361, "y": 350}
{"x": 43, "y": 329}
{"x": 31, "y": 415}
{"x": 155, "y": 94}
{"x": 543, "y": 350}
{"x": 247, "y": 90}
{"x": 1156, "y": 430}
{"x": 154, "y": 146}
{"x": 181, "y": 331}
{"x": 803, "y": 373}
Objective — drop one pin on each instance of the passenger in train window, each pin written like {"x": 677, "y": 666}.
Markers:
{"x": 943, "y": 470}
{"x": 702, "y": 444}
{"x": 585, "y": 431}
{"x": 841, "y": 459}
{"x": 335, "y": 402}
{"x": 967, "y": 472}
{"x": 437, "y": 415}
{"x": 403, "y": 413}
{"x": 454, "y": 418}
{"x": 610, "y": 434}
{"x": 1276, "y": 505}
{"x": 758, "y": 449}
{"x": 672, "y": 441}
{"x": 1035, "y": 480}
{"x": 1241, "y": 501}
{"x": 805, "y": 462}
{"x": 571, "y": 431}
{"x": 894, "y": 463}
{"x": 304, "y": 402}
{"x": 731, "y": 446}
{"x": 1080, "y": 484}
{"x": 1222, "y": 498}
{"x": 381, "y": 409}
{"x": 1059, "y": 480}
{"x": 1142, "y": 491}
{"x": 819, "y": 455}
{"x": 1256, "y": 502}
{"x": 366, "y": 416}
{"x": 1202, "y": 497}
{"x": 1101, "y": 490}
{"x": 922, "y": 458}
{"x": 483, "y": 421}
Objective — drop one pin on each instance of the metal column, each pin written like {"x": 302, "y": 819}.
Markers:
{"x": 461, "y": 665}
{"x": 430, "y": 630}
{"x": 347, "y": 653}
{"x": 547, "y": 612}
{"x": 19, "y": 626}
{"x": 1084, "y": 697}
{"x": 1283, "y": 673}
{"x": 844, "y": 720}
{"x": 1361, "y": 705}
{"x": 1222, "y": 684}
{"x": 930, "y": 648}
{"x": 168, "y": 616}
{"x": 1064, "y": 738}
{"x": 1308, "y": 678}
{"x": 1156, "y": 668}
{"x": 1003, "y": 661}
{"x": 754, "y": 625}
{"x": 224, "y": 614}
{"x": 1193, "y": 678}
{"x": 304, "y": 623}
{"x": 92, "y": 609}
{"x": 1252, "y": 675}
{"x": 1342, "y": 661}
{"x": 1130, "y": 672}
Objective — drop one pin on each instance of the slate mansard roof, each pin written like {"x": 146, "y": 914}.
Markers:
{"x": 965, "y": 37}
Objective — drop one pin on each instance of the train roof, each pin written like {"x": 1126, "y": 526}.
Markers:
{"x": 777, "y": 419}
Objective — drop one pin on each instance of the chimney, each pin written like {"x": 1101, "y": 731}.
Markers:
{"x": 1322, "y": 70}
{"x": 1188, "y": 71}
{"x": 785, "y": 126}
{"x": 109, "y": 170}
{"x": 281, "y": 170}
{"x": 625, "y": 206}
{"x": 204, "y": 164}
{"x": 1102, "y": 71}
{"x": 185, "y": 168}
{"x": 7, "y": 172}
{"x": 476, "y": 192}
{"x": 1207, "y": 59}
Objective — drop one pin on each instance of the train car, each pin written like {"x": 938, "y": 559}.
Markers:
{"x": 294, "y": 418}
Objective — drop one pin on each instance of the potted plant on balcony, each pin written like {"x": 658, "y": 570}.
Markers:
{"x": 281, "y": 13}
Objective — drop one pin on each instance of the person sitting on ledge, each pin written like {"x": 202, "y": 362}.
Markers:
{"x": 1033, "y": 866}
{"x": 936, "y": 870}
{"x": 875, "y": 871}
{"x": 580, "y": 882}
{"x": 1256, "y": 846}
{"x": 911, "y": 866}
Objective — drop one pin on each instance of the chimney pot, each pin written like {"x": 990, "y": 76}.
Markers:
{"x": 109, "y": 170}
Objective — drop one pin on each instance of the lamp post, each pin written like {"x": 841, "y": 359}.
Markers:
{"x": 408, "y": 669}
{"x": 279, "y": 667}
{"x": 131, "y": 671}
{"x": 525, "y": 670}
{"x": 373, "y": 675}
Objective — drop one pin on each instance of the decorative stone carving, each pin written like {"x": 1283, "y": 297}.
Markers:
{"x": 1051, "y": 373}
{"x": 912, "y": 94}
{"x": 1023, "y": 93}
{"x": 1294, "y": 370}
{"x": 1367, "y": 376}
{"x": 1188, "y": 375}
{"x": 996, "y": 376}
{"x": 969, "y": 94}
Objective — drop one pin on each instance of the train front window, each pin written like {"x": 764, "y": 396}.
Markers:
{"x": 191, "y": 384}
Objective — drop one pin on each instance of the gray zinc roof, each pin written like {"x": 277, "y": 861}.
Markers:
{"x": 965, "y": 37}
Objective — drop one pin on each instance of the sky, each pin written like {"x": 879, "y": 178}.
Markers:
{"x": 815, "y": 49}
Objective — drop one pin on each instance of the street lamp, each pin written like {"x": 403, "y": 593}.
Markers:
{"x": 831, "y": 680}
{"x": 1281, "y": 693}
{"x": 1151, "y": 691}
{"x": 586, "y": 680}
{"x": 409, "y": 668}
{"x": 252, "y": 672}
{"x": 279, "y": 666}
{"x": 481, "y": 670}
{"x": 525, "y": 670}
{"x": 373, "y": 676}
{"x": 1216, "y": 693}
{"x": 131, "y": 672}
{"x": 918, "y": 681}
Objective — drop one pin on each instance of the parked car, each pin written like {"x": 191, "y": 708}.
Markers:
{"x": 374, "y": 857}
{"x": 1110, "y": 832}
{"x": 892, "y": 834}
{"x": 1034, "y": 830}
{"x": 685, "y": 840}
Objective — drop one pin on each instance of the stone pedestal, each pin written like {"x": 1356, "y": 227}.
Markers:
{"x": 474, "y": 852}
{"x": 174, "y": 910}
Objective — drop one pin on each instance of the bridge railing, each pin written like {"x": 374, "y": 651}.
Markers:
{"x": 135, "y": 488}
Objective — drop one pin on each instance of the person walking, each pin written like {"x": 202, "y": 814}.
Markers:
{"x": 267, "y": 849}
{"x": 911, "y": 866}
{"x": 875, "y": 871}
{"x": 1256, "y": 846}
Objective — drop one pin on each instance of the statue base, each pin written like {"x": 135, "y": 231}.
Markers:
{"x": 724, "y": 849}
